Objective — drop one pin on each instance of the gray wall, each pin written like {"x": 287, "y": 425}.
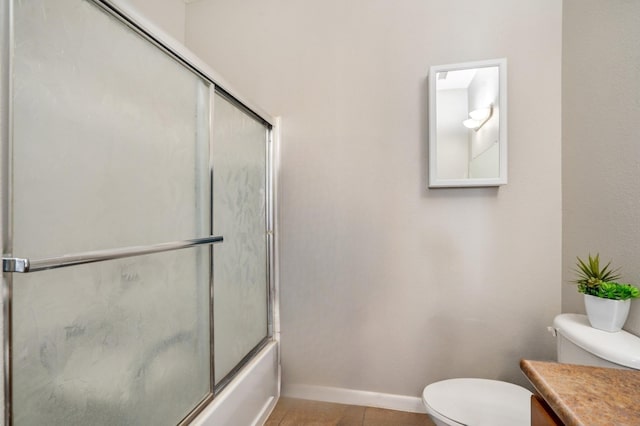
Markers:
{"x": 601, "y": 140}
{"x": 386, "y": 285}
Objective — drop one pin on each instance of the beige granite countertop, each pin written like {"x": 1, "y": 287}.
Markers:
{"x": 587, "y": 396}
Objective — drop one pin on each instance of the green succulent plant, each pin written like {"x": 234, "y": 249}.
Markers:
{"x": 600, "y": 282}
{"x": 590, "y": 275}
{"x": 617, "y": 291}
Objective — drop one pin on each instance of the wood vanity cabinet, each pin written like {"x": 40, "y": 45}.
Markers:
{"x": 542, "y": 414}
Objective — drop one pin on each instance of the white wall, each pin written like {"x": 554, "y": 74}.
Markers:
{"x": 386, "y": 285}
{"x": 601, "y": 140}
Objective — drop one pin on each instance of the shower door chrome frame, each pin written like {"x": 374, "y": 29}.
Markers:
{"x": 6, "y": 52}
{"x": 269, "y": 222}
{"x": 149, "y": 31}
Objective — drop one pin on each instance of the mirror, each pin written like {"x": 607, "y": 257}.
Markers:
{"x": 468, "y": 124}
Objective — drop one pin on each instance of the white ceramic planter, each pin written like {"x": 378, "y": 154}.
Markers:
{"x": 606, "y": 314}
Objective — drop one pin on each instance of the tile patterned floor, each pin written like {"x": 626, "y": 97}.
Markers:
{"x": 300, "y": 412}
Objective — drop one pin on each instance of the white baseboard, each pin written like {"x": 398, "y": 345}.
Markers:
{"x": 355, "y": 397}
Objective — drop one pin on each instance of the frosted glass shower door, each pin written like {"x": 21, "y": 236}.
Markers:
{"x": 110, "y": 150}
{"x": 240, "y": 283}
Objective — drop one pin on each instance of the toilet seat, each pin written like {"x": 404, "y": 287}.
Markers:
{"x": 478, "y": 402}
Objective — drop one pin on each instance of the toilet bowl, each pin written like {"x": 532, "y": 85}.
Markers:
{"x": 483, "y": 402}
{"x": 477, "y": 402}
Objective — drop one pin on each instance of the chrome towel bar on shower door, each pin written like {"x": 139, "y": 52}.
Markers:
{"x": 16, "y": 264}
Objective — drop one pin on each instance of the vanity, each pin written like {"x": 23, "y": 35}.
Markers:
{"x": 577, "y": 395}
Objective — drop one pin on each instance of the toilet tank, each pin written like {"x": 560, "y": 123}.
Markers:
{"x": 579, "y": 343}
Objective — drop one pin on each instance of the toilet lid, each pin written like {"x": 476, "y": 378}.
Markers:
{"x": 479, "y": 402}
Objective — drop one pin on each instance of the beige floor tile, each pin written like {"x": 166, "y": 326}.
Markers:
{"x": 380, "y": 417}
{"x": 278, "y": 412}
{"x": 299, "y": 412}
{"x": 314, "y": 413}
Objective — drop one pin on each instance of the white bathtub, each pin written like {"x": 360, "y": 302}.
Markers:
{"x": 251, "y": 395}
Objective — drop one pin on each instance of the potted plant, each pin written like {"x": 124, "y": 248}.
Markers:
{"x": 607, "y": 302}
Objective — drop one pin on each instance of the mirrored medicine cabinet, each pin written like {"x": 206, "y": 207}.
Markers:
{"x": 468, "y": 124}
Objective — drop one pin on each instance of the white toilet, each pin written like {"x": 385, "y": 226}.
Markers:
{"x": 481, "y": 402}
